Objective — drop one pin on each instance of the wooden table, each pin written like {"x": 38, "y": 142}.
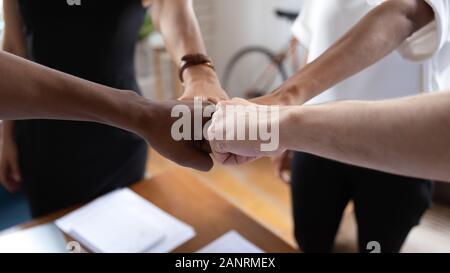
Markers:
{"x": 193, "y": 202}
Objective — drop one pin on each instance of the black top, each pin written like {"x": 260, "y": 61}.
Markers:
{"x": 65, "y": 162}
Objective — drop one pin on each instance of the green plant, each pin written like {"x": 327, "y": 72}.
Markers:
{"x": 147, "y": 28}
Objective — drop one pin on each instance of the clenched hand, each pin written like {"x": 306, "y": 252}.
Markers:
{"x": 155, "y": 125}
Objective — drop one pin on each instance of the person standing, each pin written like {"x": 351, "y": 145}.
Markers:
{"x": 362, "y": 50}
{"x": 60, "y": 163}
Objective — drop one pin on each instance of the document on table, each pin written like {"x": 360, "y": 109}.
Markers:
{"x": 40, "y": 239}
{"x": 231, "y": 242}
{"x": 124, "y": 222}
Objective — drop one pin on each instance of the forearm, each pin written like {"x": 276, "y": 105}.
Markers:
{"x": 31, "y": 91}
{"x": 405, "y": 136}
{"x": 378, "y": 34}
{"x": 177, "y": 22}
{"x": 14, "y": 43}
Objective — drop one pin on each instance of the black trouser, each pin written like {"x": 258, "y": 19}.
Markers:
{"x": 386, "y": 206}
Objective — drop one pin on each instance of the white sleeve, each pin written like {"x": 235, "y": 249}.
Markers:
{"x": 301, "y": 28}
{"x": 426, "y": 42}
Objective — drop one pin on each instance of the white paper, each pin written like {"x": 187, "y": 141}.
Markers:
{"x": 40, "y": 239}
{"x": 127, "y": 232}
{"x": 231, "y": 242}
{"x": 122, "y": 221}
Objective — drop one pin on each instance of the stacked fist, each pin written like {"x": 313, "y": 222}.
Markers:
{"x": 234, "y": 131}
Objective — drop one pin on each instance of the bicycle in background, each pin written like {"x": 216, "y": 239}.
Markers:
{"x": 269, "y": 68}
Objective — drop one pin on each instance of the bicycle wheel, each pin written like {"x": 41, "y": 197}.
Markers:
{"x": 253, "y": 72}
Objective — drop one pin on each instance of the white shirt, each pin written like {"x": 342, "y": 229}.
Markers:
{"x": 322, "y": 22}
{"x": 431, "y": 46}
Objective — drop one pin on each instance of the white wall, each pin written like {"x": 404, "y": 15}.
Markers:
{"x": 227, "y": 25}
{"x": 240, "y": 23}
{"x": 1, "y": 20}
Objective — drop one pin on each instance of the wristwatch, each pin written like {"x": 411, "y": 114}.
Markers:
{"x": 193, "y": 60}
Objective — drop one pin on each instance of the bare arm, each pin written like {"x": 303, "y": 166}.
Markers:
{"x": 379, "y": 33}
{"x": 409, "y": 136}
{"x": 177, "y": 22}
{"x": 29, "y": 90}
{"x": 13, "y": 39}
{"x": 14, "y": 43}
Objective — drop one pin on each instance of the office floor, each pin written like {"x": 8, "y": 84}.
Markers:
{"x": 255, "y": 189}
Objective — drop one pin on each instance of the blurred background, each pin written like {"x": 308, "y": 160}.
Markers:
{"x": 228, "y": 26}
{"x": 231, "y": 28}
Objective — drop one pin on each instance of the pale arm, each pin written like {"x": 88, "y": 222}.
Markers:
{"x": 177, "y": 22}
{"x": 409, "y": 136}
{"x": 378, "y": 34}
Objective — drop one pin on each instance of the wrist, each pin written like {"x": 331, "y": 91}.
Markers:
{"x": 129, "y": 111}
{"x": 141, "y": 115}
{"x": 292, "y": 120}
{"x": 287, "y": 95}
{"x": 290, "y": 94}
{"x": 199, "y": 74}
{"x": 296, "y": 91}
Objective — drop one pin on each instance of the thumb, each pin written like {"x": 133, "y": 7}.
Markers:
{"x": 198, "y": 160}
{"x": 219, "y": 152}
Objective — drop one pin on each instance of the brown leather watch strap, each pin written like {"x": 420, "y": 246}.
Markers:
{"x": 193, "y": 60}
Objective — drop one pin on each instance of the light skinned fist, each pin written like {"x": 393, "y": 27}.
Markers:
{"x": 241, "y": 131}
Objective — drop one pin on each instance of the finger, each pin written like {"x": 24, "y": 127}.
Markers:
{"x": 231, "y": 160}
{"x": 190, "y": 98}
{"x": 227, "y": 158}
{"x": 6, "y": 182}
{"x": 282, "y": 174}
{"x": 287, "y": 161}
{"x": 246, "y": 159}
{"x": 285, "y": 168}
{"x": 217, "y": 150}
{"x": 277, "y": 162}
{"x": 222, "y": 158}
{"x": 285, "y": 176}
{"x": 234, "y": 159}
{"x": 241, "y": 101}
{"x": 258, "y": 100}
{"x": 3, "y": 178}
{"x": 223, "y": 103}
{"x": 182, "y": 98}
{"x": 15, "y": 171}
{"x": 8, "y": 187}
{"x": 214, "y": 100}
{"x": 13, "y": 187}
{"x": 2, "y": 172}
{"x": 198, "y": 160}
{"x": 275, "y": 159}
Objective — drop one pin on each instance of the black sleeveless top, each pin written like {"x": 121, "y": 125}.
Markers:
{"x": 65, "y": 162}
